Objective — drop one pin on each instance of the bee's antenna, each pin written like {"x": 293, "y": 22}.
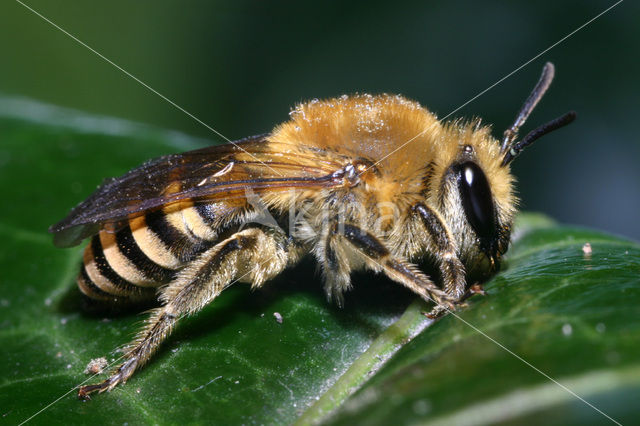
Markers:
{"x": 511, "y": 134}
{"x": 536, "y": 134}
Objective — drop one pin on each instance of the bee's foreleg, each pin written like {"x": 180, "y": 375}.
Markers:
{"x": 451, "y": 268}
{"x": 251, "y": 255}
{"x": 380, "y": 258}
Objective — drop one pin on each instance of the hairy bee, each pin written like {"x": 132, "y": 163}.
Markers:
{"x": 335, "y": 182}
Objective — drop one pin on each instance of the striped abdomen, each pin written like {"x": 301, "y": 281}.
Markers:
{"x": 129, "y": 265}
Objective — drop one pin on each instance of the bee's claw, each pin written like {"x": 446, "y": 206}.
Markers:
{"x": 121, "y": 375}
{"x": 85, "y": 391}
{"x": 477, "y": 288}
{"x": 440, "y": 309}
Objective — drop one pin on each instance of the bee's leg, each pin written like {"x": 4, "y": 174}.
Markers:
{"x": 379, "y": 258}
{"x": 250, "y": 255}
{"x": 451, "y": 268}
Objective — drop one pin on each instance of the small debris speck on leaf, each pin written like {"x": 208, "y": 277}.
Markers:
{"x": 96, "y": 366}
{"x": 278, "y": 317}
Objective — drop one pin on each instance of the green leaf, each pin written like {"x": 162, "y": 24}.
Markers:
{"x": 573, "y": 316}
{"x": 559, "y": 324}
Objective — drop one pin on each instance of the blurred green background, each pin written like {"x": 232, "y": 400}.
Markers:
{"x": 240, "y": 65}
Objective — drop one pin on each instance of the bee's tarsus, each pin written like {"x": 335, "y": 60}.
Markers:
{"x": 477, "y": 288}
{"x": 121, "y": 374}
{"x": 85, "y": 392}
{"x": 439, "y": 310}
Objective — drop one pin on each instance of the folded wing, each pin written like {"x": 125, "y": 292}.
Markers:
{"x": 214, "y": 173}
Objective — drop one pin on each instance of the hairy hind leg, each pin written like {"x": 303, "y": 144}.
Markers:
{"x": 251, "y": 255}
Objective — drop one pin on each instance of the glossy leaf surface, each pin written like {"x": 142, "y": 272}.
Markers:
{"x": 573, "y": 316}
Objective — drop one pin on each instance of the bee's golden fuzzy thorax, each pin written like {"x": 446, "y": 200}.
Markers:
{"x": 401, "y": 137}
{"x": 363, "y": 126}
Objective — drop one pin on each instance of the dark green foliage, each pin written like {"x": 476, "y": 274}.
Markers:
{"x": 573, "y": 316}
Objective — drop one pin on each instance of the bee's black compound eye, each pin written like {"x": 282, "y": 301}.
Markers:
{"x": 477, "y": 203}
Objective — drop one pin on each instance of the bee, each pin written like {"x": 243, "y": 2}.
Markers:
{"x": 358, "y": 182}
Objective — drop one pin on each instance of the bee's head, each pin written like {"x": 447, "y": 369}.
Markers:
{"x": 476, "y": 192}
{"x": 476, "y": 197}
{"x": 491, "y": 229}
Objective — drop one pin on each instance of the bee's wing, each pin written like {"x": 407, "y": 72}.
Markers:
{"x": 213, "y": 173}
